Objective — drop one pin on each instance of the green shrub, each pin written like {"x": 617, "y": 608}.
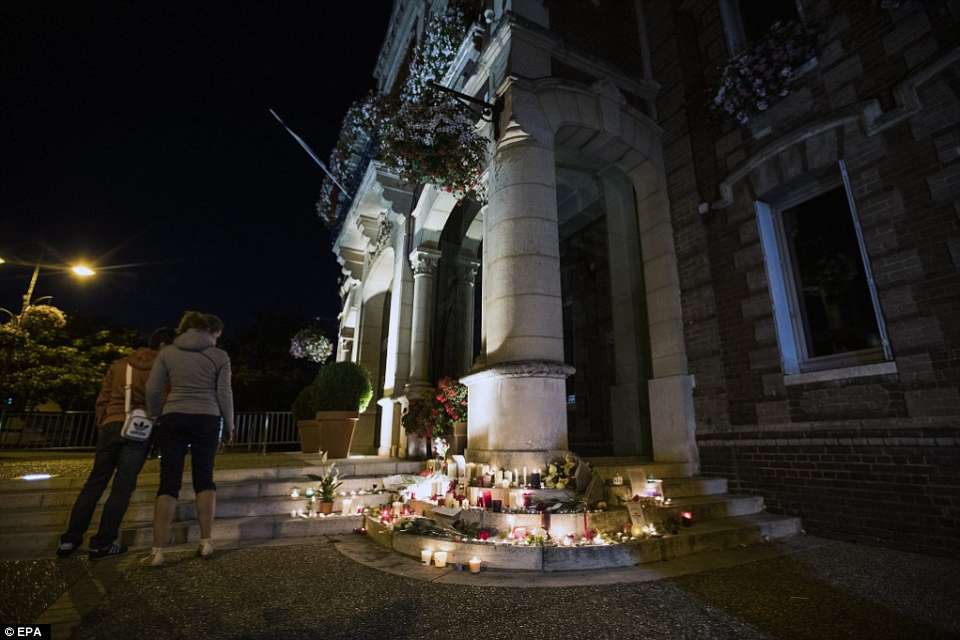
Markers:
{"x": 340, "y": 386}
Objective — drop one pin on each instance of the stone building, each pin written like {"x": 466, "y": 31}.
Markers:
{"x": 775, "y": 301}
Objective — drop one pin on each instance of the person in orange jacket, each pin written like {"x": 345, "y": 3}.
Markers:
{"x": 115, "y": 454}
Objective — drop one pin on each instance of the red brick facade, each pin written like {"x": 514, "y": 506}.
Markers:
{"x": 868, "y": 458}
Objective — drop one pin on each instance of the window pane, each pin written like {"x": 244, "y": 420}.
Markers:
{"x": 831, "y": 286}
{"x": 758, "y": 17}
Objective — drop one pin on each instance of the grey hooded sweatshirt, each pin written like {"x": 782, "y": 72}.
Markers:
{"x": 198, "y": 375}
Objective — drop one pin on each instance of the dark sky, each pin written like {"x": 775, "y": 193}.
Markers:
{"x": 139, "y": 133}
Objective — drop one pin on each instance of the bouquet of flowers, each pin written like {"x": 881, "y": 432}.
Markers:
{"x": 560, "y": 472}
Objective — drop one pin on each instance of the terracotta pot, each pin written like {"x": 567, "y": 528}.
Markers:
{"x": 326, "y": 507}
{"x": 337, "y": 429}
{"x": 311, "y": 437}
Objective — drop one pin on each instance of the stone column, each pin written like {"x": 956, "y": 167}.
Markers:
{"x": 424, "y": 264}
{"x": 517, "y": 403}
{"x": 468, "y": 269}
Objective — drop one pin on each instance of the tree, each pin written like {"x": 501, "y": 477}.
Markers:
{"x": 44, "y": 358}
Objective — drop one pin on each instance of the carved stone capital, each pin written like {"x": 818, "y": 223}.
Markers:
{"x": 424, "y": 262}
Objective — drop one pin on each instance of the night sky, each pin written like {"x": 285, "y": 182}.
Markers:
{"x": 139, "y": 133}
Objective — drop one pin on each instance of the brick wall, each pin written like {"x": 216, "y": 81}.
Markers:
{"x": 875, "y": 458}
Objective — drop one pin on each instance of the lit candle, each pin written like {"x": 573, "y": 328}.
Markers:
{"x": 347, "y": 503}
{"x": 397, "y": 506}
{"x": 686, "y": 518}
{"x": 425, "y": 557}
{"x": 474, "y": 565}
{"x": 440, "y": 559}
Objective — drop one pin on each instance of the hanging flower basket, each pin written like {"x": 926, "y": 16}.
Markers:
{"x": 421, "y": 134}
{"x": 760, "y": 75}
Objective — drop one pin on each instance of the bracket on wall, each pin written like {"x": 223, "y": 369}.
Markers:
{"x": 488, "y": 112}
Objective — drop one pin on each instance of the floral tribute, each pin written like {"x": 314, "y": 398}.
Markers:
{"x": 560, "y": 473}
{"x": 451, "y": 397}
{"x": 433, "y": 416}
{"x": 422, "y": 134}
{"x": 762, "y": 73}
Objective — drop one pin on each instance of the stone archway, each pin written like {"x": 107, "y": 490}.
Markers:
{"x": 517, "y": 402}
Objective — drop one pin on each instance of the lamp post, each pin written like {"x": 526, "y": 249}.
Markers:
{"x": 80, "y": 270}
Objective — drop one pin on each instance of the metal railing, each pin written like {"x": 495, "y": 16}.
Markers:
{"x": 256, "y": 430}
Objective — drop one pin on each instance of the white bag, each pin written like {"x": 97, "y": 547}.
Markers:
{"x": 137, "y": 426}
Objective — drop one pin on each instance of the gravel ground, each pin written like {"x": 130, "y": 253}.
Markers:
{"x": 30, "y": 586}
{"x": 311, "y": 591}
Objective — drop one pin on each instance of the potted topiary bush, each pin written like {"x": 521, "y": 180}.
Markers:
{"x": 327, "y": 411}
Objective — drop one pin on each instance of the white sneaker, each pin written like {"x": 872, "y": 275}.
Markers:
{"x": 155, "y": 559}
{"x": 205, "y": 550}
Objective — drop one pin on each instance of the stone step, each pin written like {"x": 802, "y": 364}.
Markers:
{"x": 147, "y": 491}
{"x": 713, "y": 535}
{"x": 40, "y": 543}
{"x": 142, "y": 512}
{"x": 608, "y": 467}
{"x": 349, "y": 467}
{"x": 704, "y": 508}
{"x": 678, "y": 487}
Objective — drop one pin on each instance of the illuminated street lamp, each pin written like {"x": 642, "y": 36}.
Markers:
{"x": 80, "y": 270}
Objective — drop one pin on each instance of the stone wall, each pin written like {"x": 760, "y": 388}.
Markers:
{"x": 869, "y": 458}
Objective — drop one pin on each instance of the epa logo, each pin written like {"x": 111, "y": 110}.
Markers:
{"x": 24, "y": 631}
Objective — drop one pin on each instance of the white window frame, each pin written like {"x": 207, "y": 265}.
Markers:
{"x": 787, "y": 313}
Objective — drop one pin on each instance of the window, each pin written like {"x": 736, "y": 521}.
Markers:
{"x": 824, "y": 299}
{"x": 746, "y": 21}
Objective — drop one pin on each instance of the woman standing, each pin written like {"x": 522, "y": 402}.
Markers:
{"x": 198, "y": 376}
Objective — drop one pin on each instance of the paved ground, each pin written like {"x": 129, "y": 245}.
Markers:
{"x": 834, "y": 590}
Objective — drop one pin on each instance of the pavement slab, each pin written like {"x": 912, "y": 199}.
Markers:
{"x": 330, "y": 588}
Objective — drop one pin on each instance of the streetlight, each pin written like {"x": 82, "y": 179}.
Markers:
{"x": 80, "y": 270}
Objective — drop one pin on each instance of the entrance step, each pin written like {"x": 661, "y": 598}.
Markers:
{"x": 148, "y": 492}
{"x": 608, "y": 467}
{"x": 42, "y": 542}
{"x": 141, "y": 512}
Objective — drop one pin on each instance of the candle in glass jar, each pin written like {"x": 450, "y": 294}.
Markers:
{"x": 474, "y": 565}
{"x": 425, "y": 556}
{"x": 397, "y": 506}
{"x": 347, "y": 503}
{"x": 440, "y": 559}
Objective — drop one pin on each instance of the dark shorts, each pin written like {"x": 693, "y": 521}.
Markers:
{"x": 178, "y": 433}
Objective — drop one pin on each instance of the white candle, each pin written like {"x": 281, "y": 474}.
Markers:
{"x": 440, "y": 559}
{"x": 397, "y": 506}
{"x": 516, "y": 476}
{"x": 474, "y": 565}
{"x": 425, "y": 556}
{"x": 347, "y": 503}
{"x": 452, "y": 470}
{"x": 524, "y": 476}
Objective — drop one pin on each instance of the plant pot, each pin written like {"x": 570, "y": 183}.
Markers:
{"x": 311, "y": 436}
{"x": 458, "y": 439}
{"x": 326, "y": 508}
{"x": 417, "y": 447}
{"x": 337, "y": 429}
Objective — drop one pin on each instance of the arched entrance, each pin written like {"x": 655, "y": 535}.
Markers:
{"x": 518, "y": 402}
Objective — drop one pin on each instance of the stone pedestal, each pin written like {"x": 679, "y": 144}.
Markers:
{"x": 517, "y": 414}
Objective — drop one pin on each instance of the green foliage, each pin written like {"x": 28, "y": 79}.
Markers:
{"x": 339, "y": 386}
{"x": 45, "y": 358}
